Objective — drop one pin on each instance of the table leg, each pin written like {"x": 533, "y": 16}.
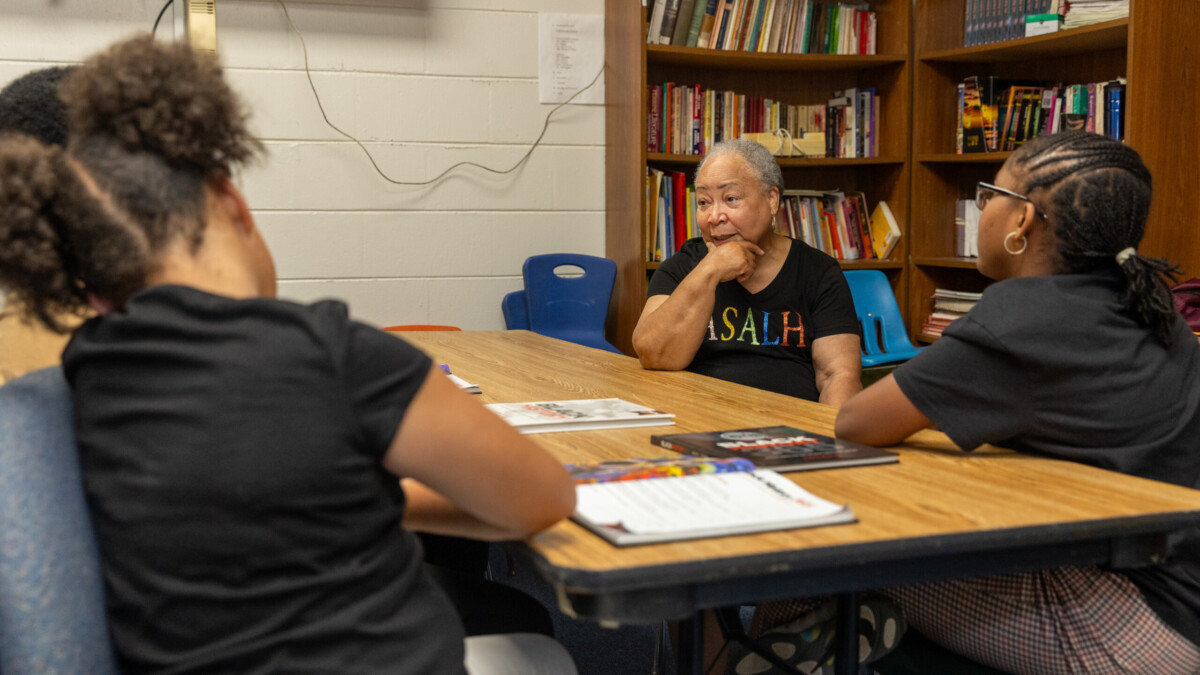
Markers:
{"x": 690, "y": 659}
{"x": 845, "y": 660}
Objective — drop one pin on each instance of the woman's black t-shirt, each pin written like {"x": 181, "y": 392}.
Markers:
{"x": 1056, "y": 366}
{"x": 764, "y": 339}
{"x": 231, "y": 453}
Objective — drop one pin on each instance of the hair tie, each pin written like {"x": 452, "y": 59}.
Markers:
{"x": 1124, "y": 254}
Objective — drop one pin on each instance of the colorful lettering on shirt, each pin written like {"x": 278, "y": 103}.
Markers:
{"x": 766, "y": 325}
{"x": 782, "y": 329}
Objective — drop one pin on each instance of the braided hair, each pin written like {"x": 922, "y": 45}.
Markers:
{"x": 1097, "y": 197}
{"x": 150, "y": 125}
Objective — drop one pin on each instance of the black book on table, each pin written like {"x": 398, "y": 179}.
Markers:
{"x": 781, "y": 448}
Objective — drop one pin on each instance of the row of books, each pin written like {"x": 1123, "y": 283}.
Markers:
{"x": 948, "y": 307}
{"x": 1000, "y": 115}
{"x": 987, "y": 21}
{"x": 670, "y": 213}
{"x": 688, "y": 119}
{"x": 834, "y": 222}
{"x": 837, "y": 223}
{"x": 768, "y": 26}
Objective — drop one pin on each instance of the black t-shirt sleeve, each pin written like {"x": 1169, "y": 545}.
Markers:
{"x": 970, "y": 386}
{"x": 833, "y": 306}
{"x": 383, "y": 373}
{"x": 673, "y": 270}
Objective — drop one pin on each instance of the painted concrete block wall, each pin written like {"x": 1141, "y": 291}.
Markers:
{"x": 424, "y": 84}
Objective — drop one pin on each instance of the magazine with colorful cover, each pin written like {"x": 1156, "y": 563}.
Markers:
{"x": 781, "y": 448}
{"x": 643, "y": 501}
{"x": 579, "y": 415}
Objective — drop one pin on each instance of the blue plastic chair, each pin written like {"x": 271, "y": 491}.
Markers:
{"x": 569, "y": 308}
{"x": 516, "y": 315}
{"x": 52, "y": 615}
{"x": 884, "y": 339}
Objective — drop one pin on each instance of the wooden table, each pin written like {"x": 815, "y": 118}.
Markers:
{"x": 939, "y": 513}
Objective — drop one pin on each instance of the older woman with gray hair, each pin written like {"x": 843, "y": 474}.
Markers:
{"x": 745, "y": 304}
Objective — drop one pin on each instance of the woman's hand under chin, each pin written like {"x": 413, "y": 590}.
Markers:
{"x": 733, "y": 260}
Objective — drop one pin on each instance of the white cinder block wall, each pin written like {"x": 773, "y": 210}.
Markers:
{"x": 424, "y": 84}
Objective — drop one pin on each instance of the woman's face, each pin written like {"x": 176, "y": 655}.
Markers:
{"x": 1000, "y": 215}
{"x": 732, "y": 203}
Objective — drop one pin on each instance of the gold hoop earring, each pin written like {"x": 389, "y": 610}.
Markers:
{"x": 1024, "y": 243}
{"x": 773, "y": 225}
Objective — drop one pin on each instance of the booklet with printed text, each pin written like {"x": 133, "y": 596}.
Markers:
{"x": 581, "y": 415}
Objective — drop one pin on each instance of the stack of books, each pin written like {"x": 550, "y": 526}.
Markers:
{"x": 767, "y": 26}
{"x": 1087, "y": 12}
{"x": 948, "y": 306}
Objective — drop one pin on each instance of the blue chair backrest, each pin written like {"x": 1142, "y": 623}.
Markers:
{"x": 516, "y": 314}
{"x": 571, "y": 308}
{"x": 884, "y": 338}
{"x": 52, "y": 615}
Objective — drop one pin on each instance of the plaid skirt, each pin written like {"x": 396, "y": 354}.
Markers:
{"x": 1067, "y": 621}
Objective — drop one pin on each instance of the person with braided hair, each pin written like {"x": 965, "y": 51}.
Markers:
{"x": 1076, "y": 352}
{"x": 254, "y": 468}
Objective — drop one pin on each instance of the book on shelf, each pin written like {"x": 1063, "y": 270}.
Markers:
{"x": 1022, "y": 110}
{"x": 578, "y": 415}
{"x": 683, "y": 21}
{"x": 885, "y": 231}
{"x": 780, "y": 448}
{"x": 966, "y": 240}
{"x": 696, "y": 501}
{"x": 773, "y": 26}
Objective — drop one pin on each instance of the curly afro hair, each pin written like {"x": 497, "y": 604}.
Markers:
{"x": 30, "y": 105}
{"x": 150, "y": 126}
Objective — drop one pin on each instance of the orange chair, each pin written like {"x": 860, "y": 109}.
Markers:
{"x": 421, "y": 326}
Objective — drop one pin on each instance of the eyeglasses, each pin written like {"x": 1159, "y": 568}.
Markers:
{"x": 985, "y": 191}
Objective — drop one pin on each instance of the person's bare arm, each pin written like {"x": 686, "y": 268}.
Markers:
{"x": 837, "y": 363}
{"x": 671, "y": 327}
{"x": 469, "y": 473}
{"x": 879, "y": 415}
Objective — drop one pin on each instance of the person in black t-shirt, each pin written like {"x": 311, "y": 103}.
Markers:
{"x": 253, "y": 467}
{"x": 1076, "y": 352}
{"x": 744, "y": 303}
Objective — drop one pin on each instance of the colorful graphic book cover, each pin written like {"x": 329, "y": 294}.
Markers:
{"x": 781, "y": 448}
{"x": 614, "y": 470}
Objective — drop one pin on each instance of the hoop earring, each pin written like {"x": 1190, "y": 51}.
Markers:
{"x": 773, "y": 226}
{"x": 1024, "y": 243}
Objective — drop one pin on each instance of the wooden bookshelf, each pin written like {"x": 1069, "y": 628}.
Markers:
{"x": 1150, "y": 48}
{"x": 793, "y": 79}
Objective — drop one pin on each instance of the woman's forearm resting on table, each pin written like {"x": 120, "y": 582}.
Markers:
{"x": 672, "y": 327}
{"x": 837, "y": 365}
{"x": 426, "y": 510}
{"x": 470, "y": 472}
{"x": 879, "y": 415}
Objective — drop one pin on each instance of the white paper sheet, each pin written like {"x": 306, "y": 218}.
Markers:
{"x": 570, "y": 53}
